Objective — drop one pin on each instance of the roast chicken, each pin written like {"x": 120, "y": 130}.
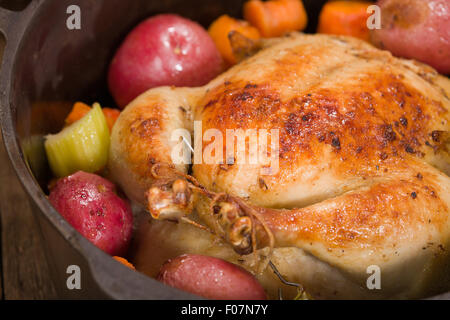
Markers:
{"x": 361, "y": 182}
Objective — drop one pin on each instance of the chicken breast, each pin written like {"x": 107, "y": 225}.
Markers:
{"x": 361, "y": 177}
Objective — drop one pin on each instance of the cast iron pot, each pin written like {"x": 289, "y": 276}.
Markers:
{"x": 46, "y": 67}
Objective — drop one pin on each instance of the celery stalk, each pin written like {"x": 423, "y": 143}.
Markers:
{"x": 82, "y": 146}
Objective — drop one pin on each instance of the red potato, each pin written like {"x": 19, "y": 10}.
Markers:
{"x": 90, "y": 204}
{"x": 211, "y": 278}
{"x": 163, "y": 50}
{"x": 416, "y": 29}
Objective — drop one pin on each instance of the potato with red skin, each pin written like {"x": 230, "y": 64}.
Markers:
{"x": 90, "y": 204}
{"x": 211, "y": 278}
{"x": 163, "y": 50}
{"x": 416, "y": 29}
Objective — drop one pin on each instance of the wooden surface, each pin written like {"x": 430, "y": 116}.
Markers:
{"x": 23, "y": 267}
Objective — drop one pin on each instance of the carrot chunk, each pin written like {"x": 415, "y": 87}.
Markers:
{"x": 345, "y": 18}
{"x": 125, "y": 262}
{"x": 276, "y": 17}
{"x": 220, "y": 30}
{"x": 80, "y": 109}
{"x": 111, "y": 116}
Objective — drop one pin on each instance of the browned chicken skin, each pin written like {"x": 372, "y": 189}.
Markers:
{"x": 362, "y": 173}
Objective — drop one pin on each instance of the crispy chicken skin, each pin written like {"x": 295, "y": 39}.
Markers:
{"x": 363, "y": 166}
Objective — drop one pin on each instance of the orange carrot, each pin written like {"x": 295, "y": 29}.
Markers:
{"x": 276, "y": 17}
{"x": 80, "y": 109}
{"x": 345, "y": 18}
{"x": 221, "y": 28}
{"x": 125, "y": 262}
{"x": 111, "y": 116}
